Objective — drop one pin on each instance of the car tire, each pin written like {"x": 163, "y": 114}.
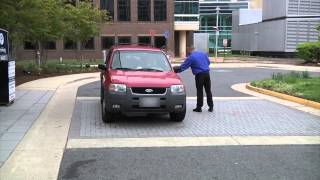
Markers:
{"x": 107, "y": 117}
{"x": 178, "y": 117}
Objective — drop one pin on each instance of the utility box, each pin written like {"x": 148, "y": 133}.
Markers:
{"x": 7, "y": 71}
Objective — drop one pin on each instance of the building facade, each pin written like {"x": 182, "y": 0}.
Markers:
{"x": 208, "y": 20}
{"x": 162, "y": 23}
{"x": 133, "y": 21}
{"x": 282, "y": 26}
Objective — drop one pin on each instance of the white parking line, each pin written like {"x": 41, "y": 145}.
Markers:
{"x": 227, "y": 98}
{"x": 188, "y": 98}
{"x": 88, "y": 98}
{"x": 192, "y": 141}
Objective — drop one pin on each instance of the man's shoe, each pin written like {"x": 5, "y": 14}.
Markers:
{"x": 197, "y": 110}
{"x": 210, "y": 109}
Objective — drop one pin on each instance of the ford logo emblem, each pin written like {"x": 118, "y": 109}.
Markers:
{"x": 149, "y": 90}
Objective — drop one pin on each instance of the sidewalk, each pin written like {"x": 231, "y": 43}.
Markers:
{"x": 15, "y": 120}
{"x": 36, "y": 150}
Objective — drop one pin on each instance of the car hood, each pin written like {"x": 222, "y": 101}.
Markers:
{"x": 145, "y": 78}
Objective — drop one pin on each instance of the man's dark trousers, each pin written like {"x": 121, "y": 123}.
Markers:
{"x": 203, "y": 80}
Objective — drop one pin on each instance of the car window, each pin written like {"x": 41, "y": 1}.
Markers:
{"x": 140, "y": 60}
{"x": 116, "y": 62}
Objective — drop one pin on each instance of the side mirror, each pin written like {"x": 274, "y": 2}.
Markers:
{"x": 176, "y": 69}
{"x": 102, "y": 67}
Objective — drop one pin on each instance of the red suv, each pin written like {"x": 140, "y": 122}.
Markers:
{"x": 139, "y": 80}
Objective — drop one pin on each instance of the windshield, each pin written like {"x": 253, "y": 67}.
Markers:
{"x": 140, "y": 61}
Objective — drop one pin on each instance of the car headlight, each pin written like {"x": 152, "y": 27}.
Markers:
{"x": 118, "y": 88}
{"x": 177, "y": 89}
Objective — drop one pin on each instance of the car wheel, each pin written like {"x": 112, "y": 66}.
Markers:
{"x": 107, "y": 117}
{"x": 178, "y": 117}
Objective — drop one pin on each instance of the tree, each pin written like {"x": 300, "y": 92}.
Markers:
{"x": 9, "y": 20}
{"x": 82, "y": 22}
{"x": 39, "y": 21}
{"x": 43, "y": 22}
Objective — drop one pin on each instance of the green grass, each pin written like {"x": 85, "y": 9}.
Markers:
{"x": 54, "y": 66}
{"x": 295, "y": 84}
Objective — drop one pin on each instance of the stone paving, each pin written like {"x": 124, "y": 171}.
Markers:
{"x": 231, "y": 118}
{"x": 16, "y": 119}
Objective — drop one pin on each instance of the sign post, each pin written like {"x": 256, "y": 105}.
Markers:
{"x": 225, "y": 44}
{"x": 217, "y": 31}
{"x": 7, "y": 71}
{"x": 166, "y": 36}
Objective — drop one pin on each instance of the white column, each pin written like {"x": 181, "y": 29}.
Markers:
{"x": 182, "y": 43}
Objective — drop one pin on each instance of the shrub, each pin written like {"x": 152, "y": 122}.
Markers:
{"x": 305, "y": 75}
{"x": 309, "y": 51}
{"x": 277, "y": 76}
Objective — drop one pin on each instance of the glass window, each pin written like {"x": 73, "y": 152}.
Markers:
{"x": 160, "y": 10}
{"x": 88, "y": 45}
{"x": 144, "y": 10}
{"x": 186, "y": 18}
{"x": 116, "y": 63}
{"x": 124, "y": 40}
{"x": 144, "y": 40}
{"x": 141, "y": 60}
{"x": 29, "y": 45}
{"x": 50, "y": 45}
{"x": 160, "y": 42}
{"x": 107, "y": 42}
{"x": 186, "y": 7}
{"x": 124, "y": 10}
{"x": 108, "y": 5}
{"x": 69, "y": 45}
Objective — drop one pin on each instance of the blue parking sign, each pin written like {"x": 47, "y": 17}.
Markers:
{"x": 166, "y": 34}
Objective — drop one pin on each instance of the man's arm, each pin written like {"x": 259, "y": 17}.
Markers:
{"x": 186, "y": 64}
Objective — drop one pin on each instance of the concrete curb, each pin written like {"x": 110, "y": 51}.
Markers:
{"x": 305, "y": 102}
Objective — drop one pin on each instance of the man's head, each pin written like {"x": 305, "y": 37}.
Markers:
{"x": 189, "y": 50}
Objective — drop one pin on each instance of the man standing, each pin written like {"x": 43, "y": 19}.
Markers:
{"x": 199, "y": 63}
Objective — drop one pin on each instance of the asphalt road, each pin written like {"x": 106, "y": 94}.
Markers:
{"x": 222, "y": 80}
{"x": 190, "y": 163}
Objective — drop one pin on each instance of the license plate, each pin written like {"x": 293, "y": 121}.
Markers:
{"x": 149, "y": 102}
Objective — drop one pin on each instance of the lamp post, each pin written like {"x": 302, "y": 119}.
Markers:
{"x": 217, "y": 31}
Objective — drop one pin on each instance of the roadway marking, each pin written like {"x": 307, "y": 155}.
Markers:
{"x": 88, "y": 98}
{"x": 192, "y": 141}
{"x": 188, "y": 98}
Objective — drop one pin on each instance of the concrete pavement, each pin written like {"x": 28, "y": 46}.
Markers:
{"x": 39, "y": 154}
{"x": 15, "y": 120}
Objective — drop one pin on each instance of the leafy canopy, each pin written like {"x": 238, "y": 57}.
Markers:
{"x": 49, "y": 20}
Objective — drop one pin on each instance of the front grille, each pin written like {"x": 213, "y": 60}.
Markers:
{"x": 146, "y": 90}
